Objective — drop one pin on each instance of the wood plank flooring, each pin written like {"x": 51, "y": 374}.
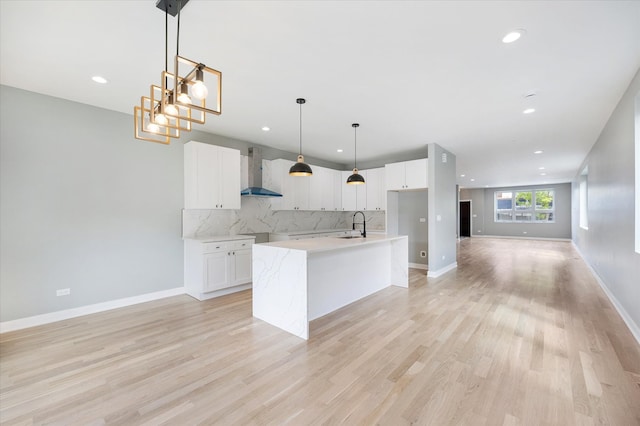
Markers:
{"x": 519, "y": 334}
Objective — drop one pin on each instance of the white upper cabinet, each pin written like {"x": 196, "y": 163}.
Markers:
{"x": 406, "y": 175}
{"x": 349, "y": 193}
{"x": 211, "y": 177}
{"x": 375, "y": 189}
{"x": 294, "y": 189}
{"x": 322, "y": 187}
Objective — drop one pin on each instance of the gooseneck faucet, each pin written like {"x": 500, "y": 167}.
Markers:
{"x": 364, "y": 224}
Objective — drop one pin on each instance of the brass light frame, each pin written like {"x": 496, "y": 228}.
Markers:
{"x": 189, "y": 78}
{"x": 185, "y": 74}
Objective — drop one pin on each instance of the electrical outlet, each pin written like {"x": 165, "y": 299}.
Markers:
{"x": 63, "y": 292}
{"x": 423, "y": 219}
{"x": 423, "y": 253}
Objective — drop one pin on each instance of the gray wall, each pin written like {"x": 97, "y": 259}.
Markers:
{"x": 442, "y": 218}
{"x": 83, "y": 206}
{"x": 482, "y": 214}
{"x": 608, "y": 244}
{"x": 412, "y": 205}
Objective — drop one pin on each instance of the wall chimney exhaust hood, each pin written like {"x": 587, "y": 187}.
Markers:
{"x": 255, "y": 188}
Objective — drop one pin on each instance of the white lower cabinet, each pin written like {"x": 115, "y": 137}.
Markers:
{"x": 214, "y": 268}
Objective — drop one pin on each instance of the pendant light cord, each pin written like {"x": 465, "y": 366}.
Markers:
{"x": 355, "y": 146}
{"x": 178, "y": 32}
{"x": 300, "y": 129}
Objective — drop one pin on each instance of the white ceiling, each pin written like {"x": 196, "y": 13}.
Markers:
{"x": 410, "y": 72}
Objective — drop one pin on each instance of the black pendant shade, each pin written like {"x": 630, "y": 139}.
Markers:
{"x": 300, "y": 168}
{"x": 356, "y": 178}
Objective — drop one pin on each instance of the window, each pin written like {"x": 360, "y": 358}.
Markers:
{"x": 535, "y": 206}
{"x": 584, "y": 223}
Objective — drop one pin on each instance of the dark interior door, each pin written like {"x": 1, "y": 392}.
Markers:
{"x": 465, "y": 218}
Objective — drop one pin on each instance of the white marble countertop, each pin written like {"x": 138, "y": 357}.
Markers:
{"x": 315, "y": 245}
{"x": 219, "y": 238}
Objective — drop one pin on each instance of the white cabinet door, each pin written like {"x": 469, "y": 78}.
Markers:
{"x": 375, "y": 188}
{"x": 211, "y": 177}
{"x": 216, "y": 273}
{"x": 337, "y": 183}
{"x": 228, "y": 178}
{"x": 416, "y": 174}
{"x": 328, "y": 190}
{"x": 294, "y": 189}
{"x": 406, "y": 175}
{"x": 395, "y": 177}
{"x": 361, "y": 192}
{"x": 349, "y": 193}
{"x": 241, "y": 268}
{"x": 316, "y": 183}
{"x": 323, "y": 185}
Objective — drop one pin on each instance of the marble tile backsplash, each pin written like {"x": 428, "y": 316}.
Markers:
{"x": 256, "y": 216}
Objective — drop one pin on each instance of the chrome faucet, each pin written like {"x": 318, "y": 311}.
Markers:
{"x": 364, "y": 224}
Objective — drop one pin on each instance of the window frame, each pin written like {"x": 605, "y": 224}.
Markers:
{"x": 516, "y": 210}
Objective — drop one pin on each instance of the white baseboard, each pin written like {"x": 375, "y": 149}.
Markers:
{"x": 441, "y": 271}
{"x": 509, "y": 237}
{"x": 633, "y": 327}
{"x": 33, "y": 321}
{"x": 418, "y": 266}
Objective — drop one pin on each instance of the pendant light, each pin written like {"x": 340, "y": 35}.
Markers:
{"x": 300, "y": 168}
{"x": 169, "y": 110}
{"x": 356, "y": 178}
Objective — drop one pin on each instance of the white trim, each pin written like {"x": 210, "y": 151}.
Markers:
{"x": 219, "y": 293}
{"x": 509, "y": 237}
{"x": 35, "y": 320}
{"x": 633, "y": 327}
{"x": 441, "y": 271}
{"x": 418, "y": 266}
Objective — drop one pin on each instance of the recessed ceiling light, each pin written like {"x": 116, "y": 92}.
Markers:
{"x": 339, "y": 150}
{"x": 513, "y": 36}
{"x": 543, "y": 174}
{"x": 462, "y": 175}
{"x": 541, "y": 168}
{"x": 529, "y": 110}
{"x": 99, "y": 79}
{"x": 473, "y": 180}
{"x": 537, "y": 152}
{"x": 486, "y": 186}
{"x": 265, "y": 129}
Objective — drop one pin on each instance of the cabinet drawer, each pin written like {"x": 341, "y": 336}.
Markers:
{"x": 214, "y": 247}
{"x": 238, "y": 245}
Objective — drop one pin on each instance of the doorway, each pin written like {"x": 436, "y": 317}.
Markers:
{"x": 465, "y": 219}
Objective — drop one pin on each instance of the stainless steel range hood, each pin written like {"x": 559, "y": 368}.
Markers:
{"x": 255, "y": 188}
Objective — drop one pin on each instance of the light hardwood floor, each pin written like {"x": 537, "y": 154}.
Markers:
{"x": 520, "y": 333}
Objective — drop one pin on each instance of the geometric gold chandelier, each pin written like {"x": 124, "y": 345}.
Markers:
{"x": 181, "y": 98}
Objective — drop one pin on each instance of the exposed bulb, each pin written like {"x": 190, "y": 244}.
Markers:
{"x": 153, "y": 127}
{"x": 199, "y": 90}
{"x": 184, "y": 98}
{"x": 171, "y": 110}
{"x": 161, "y": 119}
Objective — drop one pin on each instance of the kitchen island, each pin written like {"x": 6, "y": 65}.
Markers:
{"x": 295, "y": 282}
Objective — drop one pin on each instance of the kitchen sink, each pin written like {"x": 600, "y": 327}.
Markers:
{"x": 350, "y": 236}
